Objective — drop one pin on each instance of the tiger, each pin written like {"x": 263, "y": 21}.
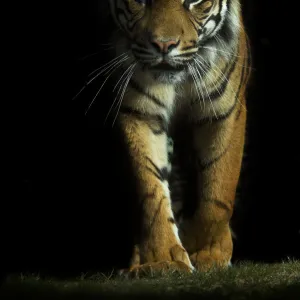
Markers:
{"x": 183, "y": 69}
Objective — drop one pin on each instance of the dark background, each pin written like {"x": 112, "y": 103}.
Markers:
{"x": 65, "y": 207}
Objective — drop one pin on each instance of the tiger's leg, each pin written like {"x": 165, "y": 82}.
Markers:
{"x": 158, "y": 245}
{"x": 219, "y": 149}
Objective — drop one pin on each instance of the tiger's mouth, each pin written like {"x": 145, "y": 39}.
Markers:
{"x": 164, "y": 67}
{"x": 166, "y": 72}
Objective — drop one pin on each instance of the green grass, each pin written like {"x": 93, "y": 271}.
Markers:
{"x": 244, "y": 281}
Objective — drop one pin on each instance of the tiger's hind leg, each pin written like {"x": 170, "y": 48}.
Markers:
{"x": 219, "y": 148}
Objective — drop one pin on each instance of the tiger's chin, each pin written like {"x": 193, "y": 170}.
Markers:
{"x": 166, "y": 74}
{"x": 162, "y": 73}
{"x": 169, "y": 77}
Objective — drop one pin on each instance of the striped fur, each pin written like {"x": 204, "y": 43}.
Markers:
{"x": 185, "y": 67}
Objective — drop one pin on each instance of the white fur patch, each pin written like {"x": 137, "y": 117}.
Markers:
{"x": 210, "y": 26}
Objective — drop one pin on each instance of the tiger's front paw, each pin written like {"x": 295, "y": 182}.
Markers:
{"x": 216, "y": 254}
{"x": 204, "y": 261}
{"x": 160, "y": 261}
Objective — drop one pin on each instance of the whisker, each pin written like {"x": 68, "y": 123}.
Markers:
{"x": 207, "y": 94}
{"x": 143, "y": 56}
{"x": 111, "y": 46}
{"x": 195, "y": 82}
{"x": 226, "y": 79}
{"x": 220, "y": 41}
{"x": 213, "y": 69}
{"x": 205, "y": 70}
{"x": 218, "y": 50}
{"x": 223, "y": 75}
{"x": 108, "y": 69}
{"x": 149, "y": 61}
{"x": 100, "y": 89}
{"x": 111, "y": 107}
{"x": 97, "y": 94}
{"x": 81, "y": 90}
{"x": 229, "y": 53}
{"x": 127, "y": 70}
{"x": 108, "y": 63}
{"x": 89, "y": 55}
{"x": 123, "y": 93}
{"x": 200, "y": 86}
{"x": 115, "y": 64}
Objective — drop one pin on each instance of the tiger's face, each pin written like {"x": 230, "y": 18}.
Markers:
{"x": 165, "y": 36}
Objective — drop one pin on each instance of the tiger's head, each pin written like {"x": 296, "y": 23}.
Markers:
{"x": 165, "y": 36}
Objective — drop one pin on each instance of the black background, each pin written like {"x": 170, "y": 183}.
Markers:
{"x": 65, "y": 207}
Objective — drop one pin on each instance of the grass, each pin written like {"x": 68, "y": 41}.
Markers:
{"x": 244, "y": 281}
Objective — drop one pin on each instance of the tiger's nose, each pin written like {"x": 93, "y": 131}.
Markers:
{"x": 164, "y": 47}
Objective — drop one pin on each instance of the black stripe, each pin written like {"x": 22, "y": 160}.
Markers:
{"x": 139, "y": 89}
{"x": 229, "y": 112}
{"x": 127, "y": 8}
{"x": 189, "y": 54}
{"x": 206, "y": 11}
{"x": 217, "y": 118}
{"x": 220, "y": 204}
{"x": 247, "y": 75}
{"x": 238, "y": 114}
{"x": 154, "y": 173}
{"x": 216, "y": 18}
{"x": 190, "y": 47}
{"x": 158, "y": 120}
{"x": 194, "y": 25}
{"x": 171, "y": 220}
{"x": 199, "y": 22}
{"x": 205, "y": 165}
{"x": 249, "y": 59}
{"x": 158, "y": 210}
{"x": 129, "y": 19}
{"x": 118, "y": 12}
{"x": 227, "y": 71}
{"x": 131, "y": 25}
{"x": 215, "y": 94}
{"x": 186, "y": 5}
{"x": 225, "y": 31}
{"x": 130, "y": 22}
{"x": 161, "y": 174}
